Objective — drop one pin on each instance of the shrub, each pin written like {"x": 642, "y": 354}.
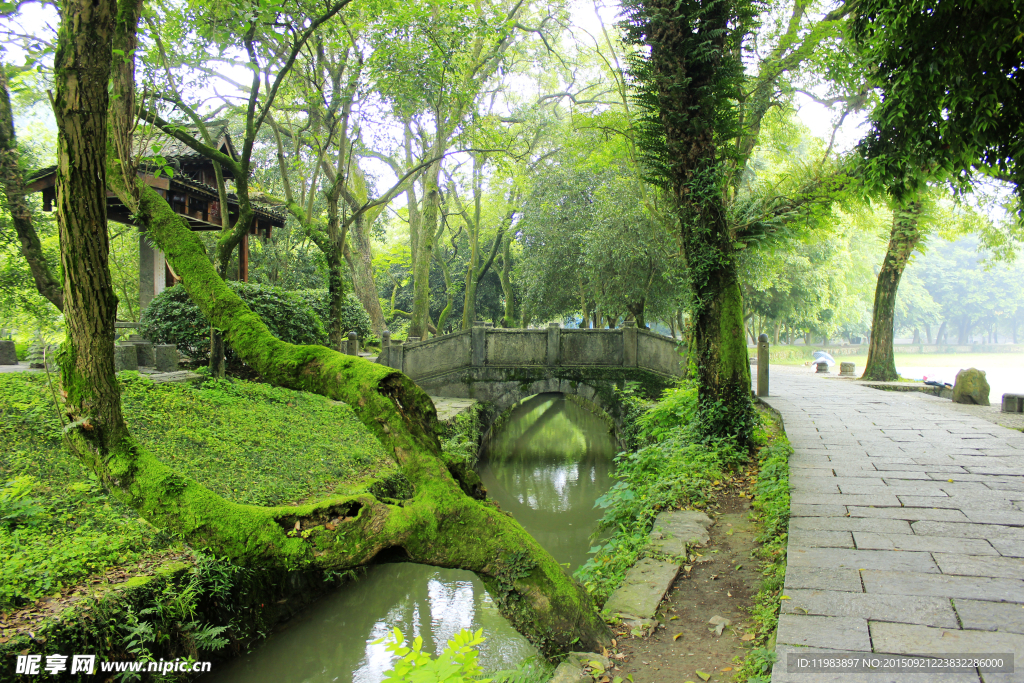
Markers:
{"x": 172, "y": 318}
{"x": 353, "y": 315}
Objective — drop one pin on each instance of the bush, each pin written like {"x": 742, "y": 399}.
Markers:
{"x": 172, "y": 318}
{"x": 353, "y": 315}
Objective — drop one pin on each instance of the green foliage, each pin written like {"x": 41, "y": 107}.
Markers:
{"x": 771, "y": 505}
{"x": 950, "y": 77}
{"x": 353, "y": 315}
{"x": 57, "y": 525}
{"x": 456, "y": 663}
{"x": 172, "y": 318}
{"x": 676, "y": 469}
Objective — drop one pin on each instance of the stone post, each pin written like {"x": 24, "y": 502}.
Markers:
{"x": 8, "y": 356}
{"x": 396, "y": 356}
{"x": 152, "y": 271}
{"x": 629, "y": 342}
{"x": 762, "y": 365}
{"x": 385, "y": 348}
{"x": 165, "y": 357}
{"x": 822, "y": 368}
{"x": 554, "y": 331}
{"x": 144, "y": 353}
{"x": 353, "y": 344}
{"x": 847, "y": 369}
{"x": 478, "y": 343}
{"x": 125, "y": 357}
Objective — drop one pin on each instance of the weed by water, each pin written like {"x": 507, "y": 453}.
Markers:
{"x": 672, "y": 469}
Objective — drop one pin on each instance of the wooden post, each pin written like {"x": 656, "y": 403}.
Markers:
{"x": 762, "y": 365}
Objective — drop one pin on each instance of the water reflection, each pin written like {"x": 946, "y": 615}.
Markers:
{"x": 333, "y": 640}
{"x": 547, "y": 466}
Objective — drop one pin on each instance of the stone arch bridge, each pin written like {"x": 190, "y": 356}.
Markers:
{"x": 503, "y": 366}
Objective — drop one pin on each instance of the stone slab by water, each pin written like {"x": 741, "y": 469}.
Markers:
{"x": 447, "y": 408}
{"x": 674, "y": 531}
{"x": 643, "y": 589}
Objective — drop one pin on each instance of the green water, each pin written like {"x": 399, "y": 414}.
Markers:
{"x": 547, "y": 466}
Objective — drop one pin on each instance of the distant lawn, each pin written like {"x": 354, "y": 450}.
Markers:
{"x": 249, "y": 442}
{"x": 798, "y": 355}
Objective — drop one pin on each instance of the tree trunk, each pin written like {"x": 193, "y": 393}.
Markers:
{"x": 506, "y": 285}
{"x": 917, "y": 337}
{"x": 963, "y": 330}
{"x": 940, "y": 336}
{"x": 92, "y": 399}
{"x": 904, "y": 238}
{"x": 421, "y": 272}
{"x": 361, "y": 267}
{"x": 928, "y": 332}
{"x": 335, "y": 269}
{"x": 13, "y": 182}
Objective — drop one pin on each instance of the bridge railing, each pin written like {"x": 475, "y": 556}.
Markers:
{"x": 497, "y": 347}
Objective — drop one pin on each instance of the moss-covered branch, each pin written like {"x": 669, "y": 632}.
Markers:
{"x": 438, "y": 524}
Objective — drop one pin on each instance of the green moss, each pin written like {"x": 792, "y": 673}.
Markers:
{"x": 253, "y": 443}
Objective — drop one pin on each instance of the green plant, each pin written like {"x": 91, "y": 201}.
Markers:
{"x": 172, "y": 318}
{"x": 353, "y": 315}
{"x": 771, "y": 505}
{"x": 457, "y": 663}
{"x": 676, "y": 467}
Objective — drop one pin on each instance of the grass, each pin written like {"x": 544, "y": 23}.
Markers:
{"x": 771, "y": 505}
{"x": 253, "y": 443}
{"x": 249, "y": 442}
{"x": 798, "y": 355}
{"x": 670, "y": 470}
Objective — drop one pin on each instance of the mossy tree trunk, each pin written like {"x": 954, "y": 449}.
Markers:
{"x": 904, "y": 237}
{"x": 693, "y": 67}
{"x": 431, "y": 527}
{"x": 12, "y": 179}
{"x": 437, "y": 524}
{"x": 92, "y": 400}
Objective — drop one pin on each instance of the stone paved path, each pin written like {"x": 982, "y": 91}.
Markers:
{"x": 907, "y": 529}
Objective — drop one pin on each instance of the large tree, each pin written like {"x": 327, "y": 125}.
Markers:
{"x": 950, "y": 74}
{"x": 425, "y": 519}
{"x": 702, "y": 116}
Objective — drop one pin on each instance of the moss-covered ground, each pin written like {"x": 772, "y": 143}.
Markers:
{"x": 249, "y": 442}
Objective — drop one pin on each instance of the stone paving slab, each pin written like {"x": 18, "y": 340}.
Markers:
{"x": 942, "y": 585}
{"x": 902, "y": 608}
{"x": 834, "y": 633}
{"x": 643, "y": 588}
{"x": 934, "y": 501}
{"x": 990, "y": 616}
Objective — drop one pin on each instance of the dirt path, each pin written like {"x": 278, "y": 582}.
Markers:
{"x": 721, "y": 582}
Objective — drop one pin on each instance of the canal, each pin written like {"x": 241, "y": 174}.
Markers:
{"x": 546, "y": 464}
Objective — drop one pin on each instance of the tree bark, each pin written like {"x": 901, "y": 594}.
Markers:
{"x": 903, "y": 239}
{"x": 361, "y": 268}
{"x": 92, "y": 400}
{"x": 421, "y": 272}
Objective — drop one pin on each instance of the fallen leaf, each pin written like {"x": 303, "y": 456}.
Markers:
{"x": 677, "y": 636}
{"x": 614, "y": 644}
{"x": 749, "y": 636}
{"x": 298, "y": 526}
{"x": 786, "y": 597}
{"x": 728, "y": 668}
{"x": 687, "y": 568}
{"x": 673, "y": 618}
{"x": 703, "y": 676}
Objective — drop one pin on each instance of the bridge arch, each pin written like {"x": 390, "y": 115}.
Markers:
{"x": 501, "y": 367}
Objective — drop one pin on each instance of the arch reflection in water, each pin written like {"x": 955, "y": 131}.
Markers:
{"x": 547, "y": 465}
{"x": 333, "y": 640}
